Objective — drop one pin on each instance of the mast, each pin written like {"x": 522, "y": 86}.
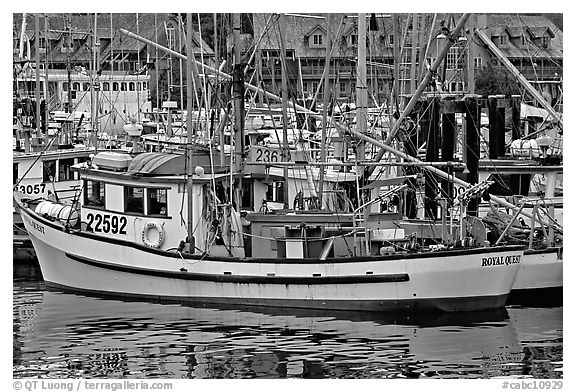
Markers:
{"x": 285, "y": 154}
{"x": 22, "y": 35}
{"x": 46, "y": 88}
{"x": 238, "y": 93}
{"x": 361, "y": 88}
{"x": 68, "y": 108}
{"x": 37, "y": 71}
{"x": 190, "y": 161}
{"x": 93, "y": 75}
{"x": 325, "y": 103}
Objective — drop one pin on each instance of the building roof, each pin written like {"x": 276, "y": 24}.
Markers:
{"x": 301, "y": 27}
{"x": 534, "y": 26}
{"x": 149, "y": 26}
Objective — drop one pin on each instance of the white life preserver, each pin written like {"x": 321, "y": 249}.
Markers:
{"x": 153, "y": 244}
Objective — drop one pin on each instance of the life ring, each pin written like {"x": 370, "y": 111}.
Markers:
{"x": 147, "y": 227}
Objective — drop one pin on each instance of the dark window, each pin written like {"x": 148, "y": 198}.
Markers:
{"x": 123, "y": 86}
{"x": 115, "y": 86}
{"x": 65, "y": 86}
{"x": 134, "y": 199}
{"x": 317, "y": 39}
{"x": 14, "y": 173}
{"x": 105, "y": 86}
{"x": 94, "y": 193}
{"x": 131, "y": 86}
{"x": 76, "y": 86}
{"x": 49, "y": 171}
{"x": 157, "y": 201}
{"x": 85, "y": 86}
{"x": 65, "y": 169}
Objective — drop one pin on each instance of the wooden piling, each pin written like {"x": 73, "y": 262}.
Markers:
{"x": 496, "y": 127}
{"x": 472, "y": 145}
{"x": 432, "y": 147}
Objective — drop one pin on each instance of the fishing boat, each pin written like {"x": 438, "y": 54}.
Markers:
{"x": 127, "y": 239}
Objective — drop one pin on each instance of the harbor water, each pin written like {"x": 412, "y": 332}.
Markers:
{"x": 65, "y": 335}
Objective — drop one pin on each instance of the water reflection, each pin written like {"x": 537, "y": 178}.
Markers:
{"x": 60, "y": 334}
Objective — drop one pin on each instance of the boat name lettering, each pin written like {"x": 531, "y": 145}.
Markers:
{"x": 32, "y": 189}
{"x": 500, "y": 260}
{"x": 105, "y": 223}
{"x": 38, "y": 227}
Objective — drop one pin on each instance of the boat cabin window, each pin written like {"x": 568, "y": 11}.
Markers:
{"x": 157, "y": 202}
{"x": 134, "y": 199}
{"x": 49, "y": 171}
{"x": 65, "y": 172}
{"x": 94, "y": 193}
{"x": 275, "y": 192}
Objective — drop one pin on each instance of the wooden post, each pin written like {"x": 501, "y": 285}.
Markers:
{"x": 496, "y": 128}
{"x": 448, "y": 137}
{"x": 515, "y": 103}
{"x": 431, "y": 185}
{"x": 472, "y": 144}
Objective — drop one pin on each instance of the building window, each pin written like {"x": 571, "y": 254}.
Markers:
{"x": 452, "y": 58}
{"x": 115, "y": 86}
{"x": 305, "y": 86}
{"x": 523, "y": 41}
{"x": 477, "y": 62}
{"x": 157, "y": 201}
{"x": 131, "y": 86}
{"x": 134, "y": 199}
{"x": 503, "y": 40}
{"x": 314, "y": 87}
{"x": 105, "y": 86}
{"x": 354, "y": 39}
{"x": 317, "y": 39}
{"x": 94, "y": 193}
{"x": 65, "y": 172}
{"x": 545, "y": 42}
{"x": 85, "y": 86}
{"x": 391, "y": 39}
{"x": 123, "y": 86}
{"x": 342, "y": 87}
{"x": 42, "y": 43}
{"x": 76, "y": 86}
{"x": 14, "y": 173}
{"x": 65, "y": 86}
{"x": 171, "y": 37}
{"x": 49, "y": 171}
{"x": 145, "y": 85}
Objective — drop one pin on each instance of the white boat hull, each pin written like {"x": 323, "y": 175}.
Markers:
{"x": 540, "y": 278}
{"x": 466, "y": 279}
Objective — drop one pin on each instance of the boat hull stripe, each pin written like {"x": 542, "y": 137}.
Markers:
{"x": 230, "y": 278}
